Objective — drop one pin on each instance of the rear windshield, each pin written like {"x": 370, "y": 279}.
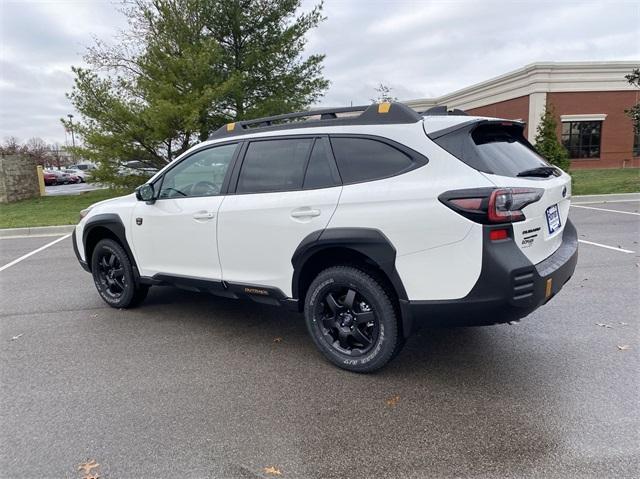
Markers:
{"x": 495, "y": 148}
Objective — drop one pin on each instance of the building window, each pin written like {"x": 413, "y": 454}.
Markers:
{"x": 582, "y": 138}
{"x": 636, "y": 143}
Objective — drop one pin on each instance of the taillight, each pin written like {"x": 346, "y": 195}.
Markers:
{"x": 491, "y": 205}
{"x": 505, "y": 204}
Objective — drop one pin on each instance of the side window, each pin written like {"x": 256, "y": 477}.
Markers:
{"x": 319, "y": 172}
{"x": 274, "y": 165}
{"x": 202, "y": 174}
{"x": 364, "y": 159}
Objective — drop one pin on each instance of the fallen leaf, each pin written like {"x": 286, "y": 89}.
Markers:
{"x": 392, "y": 401}
{"x": 603, "y": 325}
{"x": 87, "y": 466}
{"x": 277, "y": 340}
{"x": 624, "y": 347}
{"x": 274, "y": 471}
{"x": 17, "y": 337}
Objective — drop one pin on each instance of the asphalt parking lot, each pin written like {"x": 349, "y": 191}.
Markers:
{"x": 71, "y": 189}
{"x": 191, "y": 386}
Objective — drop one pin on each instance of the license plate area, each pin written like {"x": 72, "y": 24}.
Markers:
{"x": 553, "y": 219}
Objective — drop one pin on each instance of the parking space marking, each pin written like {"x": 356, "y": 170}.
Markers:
{"x": 604, "y": 202}
{"x": 23, "y": 257}
{"x": 621, "y": 250}
{"x": 605, "y": 209}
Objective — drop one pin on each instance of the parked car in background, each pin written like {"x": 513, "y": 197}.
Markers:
{"x": 62, "y": 178}
{"x": 74, "y": 178}
{"x": 136, "y": 168}
{"x": 80, "y": 175}
{"x": 49, "y": 178}
{"x": 86, "y": 167}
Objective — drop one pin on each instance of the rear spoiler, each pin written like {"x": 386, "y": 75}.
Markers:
{"x": 472, "y": 124}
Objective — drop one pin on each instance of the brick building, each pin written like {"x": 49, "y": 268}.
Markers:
{"x": 589, "y": 99}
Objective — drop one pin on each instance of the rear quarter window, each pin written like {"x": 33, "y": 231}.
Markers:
{"x": 366, "y": 159}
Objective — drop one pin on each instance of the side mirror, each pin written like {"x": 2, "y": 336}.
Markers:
{"x": 145, "y": 193}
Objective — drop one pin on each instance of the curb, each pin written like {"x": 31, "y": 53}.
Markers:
{"x": 36, "y": 231}
{"x": 614, "y": 197}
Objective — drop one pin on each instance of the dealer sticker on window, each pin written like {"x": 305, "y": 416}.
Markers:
{"x": 553, "y": 218}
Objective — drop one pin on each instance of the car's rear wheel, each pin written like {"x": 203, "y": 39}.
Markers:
{"x": 352, "y": 320}
{"x": 113, "y": 275}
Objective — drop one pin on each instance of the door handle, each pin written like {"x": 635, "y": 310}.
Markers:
{"x": 305, "y": 213}
{"x": 203, "y": 215}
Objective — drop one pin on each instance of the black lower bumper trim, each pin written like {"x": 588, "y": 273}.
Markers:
{"x": 509, "y": 287}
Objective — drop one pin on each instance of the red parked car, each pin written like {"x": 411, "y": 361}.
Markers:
{"x": 49, "y": 178}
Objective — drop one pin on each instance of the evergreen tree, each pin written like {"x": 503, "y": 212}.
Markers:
{"x": 546, "y": 141}
{"x": 185, "y": 68}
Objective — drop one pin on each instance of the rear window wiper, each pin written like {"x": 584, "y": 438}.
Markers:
{"x": 542, "y": 171}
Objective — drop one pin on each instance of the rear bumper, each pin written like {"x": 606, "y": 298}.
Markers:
{"x": 509, "y": 287}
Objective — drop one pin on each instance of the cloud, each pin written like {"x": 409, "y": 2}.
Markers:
{"x": 39, "y": 43}
{"x": 418, "y": 48}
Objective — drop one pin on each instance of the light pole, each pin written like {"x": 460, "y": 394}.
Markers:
{"x": 73, "y": 139}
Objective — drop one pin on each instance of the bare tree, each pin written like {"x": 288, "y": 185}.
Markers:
{"x": 11, "y": 146}
{"x": 384, "y": 94}
{"x": 38, "y": 149}
{"x": 54, "y": 150}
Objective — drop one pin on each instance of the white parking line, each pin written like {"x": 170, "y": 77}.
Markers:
{"x": 604, "y": 209}
{"x": 622, "y": 250}
{"x": 16, "y": 261}
{"x": 605, "y": 202}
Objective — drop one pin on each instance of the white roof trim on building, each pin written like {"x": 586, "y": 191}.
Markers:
{"x": 541, "y": 77}
{"x": 593, "y": 117}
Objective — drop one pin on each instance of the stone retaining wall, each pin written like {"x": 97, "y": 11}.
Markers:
{"x": 18, "y": 178}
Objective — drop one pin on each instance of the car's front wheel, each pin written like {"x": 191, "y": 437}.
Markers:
{"x": 352, "y": 320}
{"x": 113, "y": 275}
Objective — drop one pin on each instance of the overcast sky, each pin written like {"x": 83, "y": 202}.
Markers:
{"x": 419, "y": 48}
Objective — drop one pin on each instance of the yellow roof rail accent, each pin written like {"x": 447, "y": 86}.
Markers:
{"x": 384, "y": 107}
{"x": 231, "y": 126}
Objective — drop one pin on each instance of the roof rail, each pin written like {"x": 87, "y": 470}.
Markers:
{"x": 376, "y": 114}
{"x": 443, "y": 110}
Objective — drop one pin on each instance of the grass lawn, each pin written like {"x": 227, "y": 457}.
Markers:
{"x": 600, "y": 182}
{"x": 51, "y": 210}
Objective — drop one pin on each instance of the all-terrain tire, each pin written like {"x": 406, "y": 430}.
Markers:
{"x": 114, "y": 277}
{"x": 342, "y": 298}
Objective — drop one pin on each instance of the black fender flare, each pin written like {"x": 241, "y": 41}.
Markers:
{"x": 369, "y": 242}
{"x": 114, "y": 224}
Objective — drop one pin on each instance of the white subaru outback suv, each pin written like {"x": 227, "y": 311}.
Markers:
{"x": 367, "y": 219}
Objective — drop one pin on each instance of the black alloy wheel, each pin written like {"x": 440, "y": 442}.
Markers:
{"x": 111, "y": 274}
{"x": 347, "y": 321}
